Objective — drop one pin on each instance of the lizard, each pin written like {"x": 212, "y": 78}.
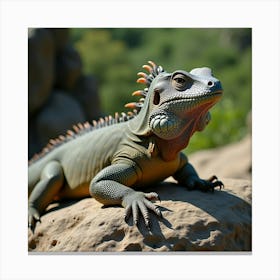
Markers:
{"x": 113, "y": 159}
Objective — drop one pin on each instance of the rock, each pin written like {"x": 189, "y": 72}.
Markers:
{"x": 54, "y": 65}
{"x": 192, "y": 221}
{"x": 86, "y": 93}
{"x": 61, "y": 37}
{"x": 41, "y": 57}
{"x": 59, "y": 115}
{"x": 33, "y": 142}
{"x": 233, "y": 160}
{"x": 68, "y": 68}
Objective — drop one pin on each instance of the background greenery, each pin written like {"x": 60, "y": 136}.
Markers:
{"x": 115, "y": 56}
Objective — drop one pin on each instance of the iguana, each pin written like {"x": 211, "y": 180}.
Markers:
{"x": 114, "y": 158}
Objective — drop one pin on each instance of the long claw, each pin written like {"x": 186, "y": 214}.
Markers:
{"x": 33, "y": 218}
{"x": 215, "y": 182}
{"x": 218, "y": 184}
{"x": 212, "y": 178}
{"x": 153, "y": 207}
{"x": 128, "y": 211}
{"x": 30, "y": 226}
{"x": 135, "y": 213}
{"x": 148, "y": 225}
{"x": 158, "y": 212}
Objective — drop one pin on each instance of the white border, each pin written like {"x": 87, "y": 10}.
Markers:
{"x": 262, "y": 16}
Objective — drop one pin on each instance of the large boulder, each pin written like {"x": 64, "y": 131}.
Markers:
{"x": 55, "y": 75}
{"x": 60, "y": 113}
{"x": 41, "y": 67}
{"x": 192, "y": 221}
{"x": 34, "y": 144}
{"x": 86, "y": 92}
{"x": 61, "y": 37}
{"x": 68, "y": 68}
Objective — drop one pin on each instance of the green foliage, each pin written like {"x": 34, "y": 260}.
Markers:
{"x": 115, "y": 55}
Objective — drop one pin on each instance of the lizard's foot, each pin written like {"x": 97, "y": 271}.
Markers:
{"x": 195, "y": 183}
{"x": 139, "y": 202}
{"x": 33, "y": 218}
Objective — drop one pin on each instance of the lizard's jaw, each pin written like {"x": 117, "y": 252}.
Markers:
{"x": 194, "y": 97}
{"x": 184, "y": 104}
{"x": 176, "y": 116}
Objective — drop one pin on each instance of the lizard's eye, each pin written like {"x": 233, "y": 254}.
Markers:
{"x": 180, "y": 82}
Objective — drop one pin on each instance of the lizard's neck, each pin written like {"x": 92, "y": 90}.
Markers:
{"x": 194, "y": 121}
{"x": 169, "y": 149}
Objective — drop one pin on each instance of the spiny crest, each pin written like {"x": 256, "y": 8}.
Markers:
{"x": 146, "y": 79}
{"x": 80, "y": 129}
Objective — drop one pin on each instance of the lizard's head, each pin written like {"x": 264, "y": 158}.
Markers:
{"x": 176, "y": 103}
{"x": 181, "y": 99}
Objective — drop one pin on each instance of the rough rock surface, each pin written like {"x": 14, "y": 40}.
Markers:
{"x": 192, "y": 221}
{"x": 233, "y": 160}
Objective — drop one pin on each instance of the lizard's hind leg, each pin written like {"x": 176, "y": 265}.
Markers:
{"x": 50, "y": 183}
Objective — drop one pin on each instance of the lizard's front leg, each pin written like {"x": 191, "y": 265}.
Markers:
{"x": 111, "y": 186}
{"x": 42, "y": 195}
{"x": 188, "y": 177}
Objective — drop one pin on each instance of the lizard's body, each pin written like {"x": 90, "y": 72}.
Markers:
{"x": 113, "y": 162}
{"x": 90, "y": 161}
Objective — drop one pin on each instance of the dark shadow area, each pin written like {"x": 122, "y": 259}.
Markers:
{"x": 60, "y": 205}
{"x": 175, "y": 192}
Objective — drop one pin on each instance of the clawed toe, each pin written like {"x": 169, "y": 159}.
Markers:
{"x": 33, "y": 218}
{"x": 32, "y": 223}
{"x": 204, "y": 185}
{"x": 214, "y": 182}
{"x": 139, "y": 205}
{"x": 218, "y": 184}
{"x": 152, "y": 196}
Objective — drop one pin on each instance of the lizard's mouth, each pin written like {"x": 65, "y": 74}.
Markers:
{"x": 213, "y": 96}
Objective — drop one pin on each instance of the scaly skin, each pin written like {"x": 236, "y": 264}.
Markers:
{"x": 114, "y": 162}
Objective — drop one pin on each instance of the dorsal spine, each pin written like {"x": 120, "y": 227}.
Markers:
{"x": 80, "y": 129}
